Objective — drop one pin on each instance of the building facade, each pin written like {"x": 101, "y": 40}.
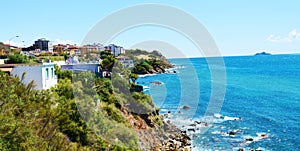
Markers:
{"x": 94, "y": 68}
{"x": 42, "y": 44}
{"x": 126, "y": 61}
{"x": 114, "y": 49}
{"x": 43, "y": 75}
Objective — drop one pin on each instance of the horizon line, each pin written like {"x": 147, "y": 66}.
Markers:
{"x": 246, "y": 55}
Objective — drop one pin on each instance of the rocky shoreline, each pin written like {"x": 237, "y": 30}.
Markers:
{"x": 166, "y": 138}
{"x": 176, "y": 139}
{"x": 155, "y": 137}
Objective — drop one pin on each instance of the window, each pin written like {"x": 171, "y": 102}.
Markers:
{"x": 47, "y": 73}
{"x": 52, "y": 72}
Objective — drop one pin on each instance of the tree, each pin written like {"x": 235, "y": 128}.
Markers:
{"x": 27, "y": 118}
{"x": 108, "y": 63}
{"x": 63, "y": 74}
{"x": 105, "y": 54}
{"x": 133, "y": 77}
{"x": 142, "y": 67}
{"x": 50, "y": 120}
{"x": 17, "y": 57}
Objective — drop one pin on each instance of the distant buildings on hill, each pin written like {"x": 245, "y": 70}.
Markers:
{"x": 76, "y": 59}
{"x": 43, "y": 45}
{"x": 43, "y": 74}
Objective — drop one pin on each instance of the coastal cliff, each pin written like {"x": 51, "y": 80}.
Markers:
{"x": 152, "y": 131}
{"x": 85, "y": 112}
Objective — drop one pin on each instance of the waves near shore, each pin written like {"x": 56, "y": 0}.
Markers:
{"x": 260, "y": 109}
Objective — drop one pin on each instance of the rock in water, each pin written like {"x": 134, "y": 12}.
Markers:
{"x": 185, "y": 107}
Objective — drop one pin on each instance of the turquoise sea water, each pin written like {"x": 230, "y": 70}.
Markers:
{"x": 263, "y": 90}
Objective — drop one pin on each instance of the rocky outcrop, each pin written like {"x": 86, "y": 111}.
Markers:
{"x": 185, "y": 107}
{"x": 156, "y": 83}
{"x": 174, "y": 139}
{"x": 158, "y": 138}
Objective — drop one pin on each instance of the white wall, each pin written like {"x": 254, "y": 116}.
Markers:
{"x": 1, "y": 61}
{"x": 50, "y": 47}
{"x": 38, "y": 74}
{"x": 59, "y": 63}
{"x": 32, "y": 73}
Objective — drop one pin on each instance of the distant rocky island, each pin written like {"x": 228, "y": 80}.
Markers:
{"x": 262, "y": 54}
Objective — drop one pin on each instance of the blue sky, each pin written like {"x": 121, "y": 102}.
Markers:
{"x": 238, "y": 27}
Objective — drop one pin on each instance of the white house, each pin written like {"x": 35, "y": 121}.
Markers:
{"x": 126, "y": 61}
{"x": 43, "y": 75}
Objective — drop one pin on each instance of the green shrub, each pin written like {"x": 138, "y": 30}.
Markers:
{"x": 17, "y": 57}
{"x": 141, "y": 103}
{"x": 114, "y": 113}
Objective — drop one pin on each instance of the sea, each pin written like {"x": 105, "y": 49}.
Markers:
{"x": 236, "y": 103}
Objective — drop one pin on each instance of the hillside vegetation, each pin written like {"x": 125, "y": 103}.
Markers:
{"x": 148, "y": 62}
{"x": 69, "y": 117}
{"x": 85, "y": 112}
